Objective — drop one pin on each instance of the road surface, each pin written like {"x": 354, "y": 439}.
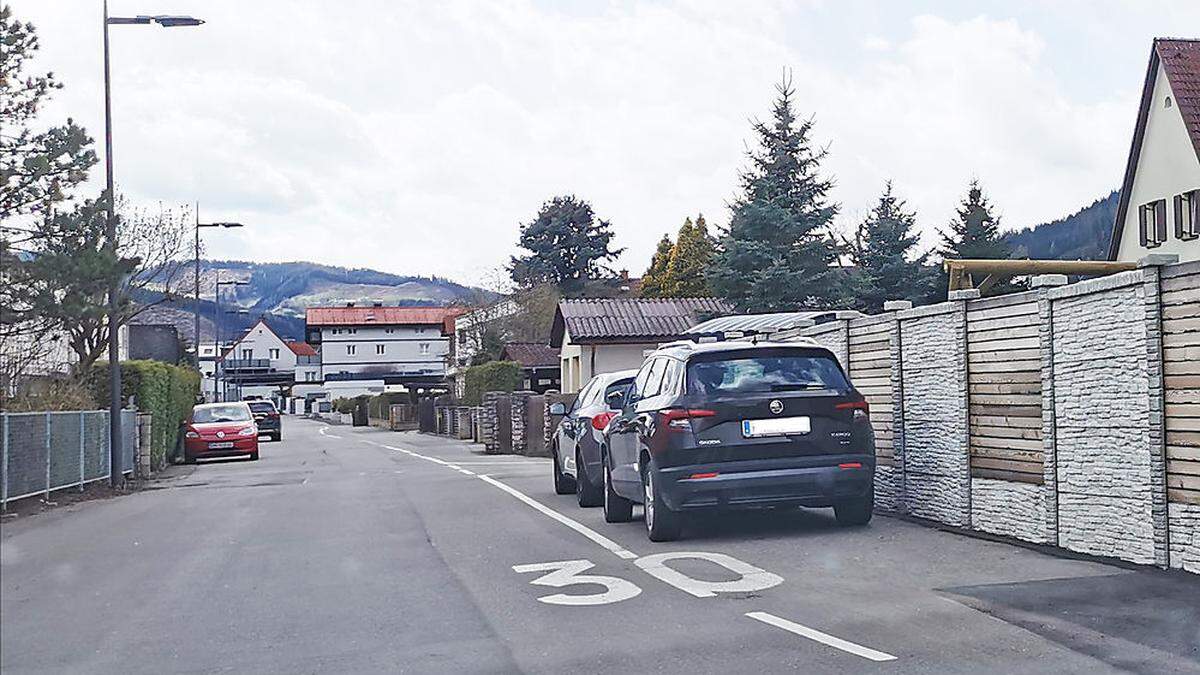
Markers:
{"x": 361, "y": 550}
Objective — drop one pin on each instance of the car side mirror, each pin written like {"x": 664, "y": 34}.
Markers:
{"x": 558, "y": 409}
{"x": 616, "y": 400}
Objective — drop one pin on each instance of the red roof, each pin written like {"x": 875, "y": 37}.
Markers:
{"x": 383, "y": 316}
{"x": 302, "y": 349}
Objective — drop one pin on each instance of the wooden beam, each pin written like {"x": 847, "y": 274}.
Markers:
{"x": 1026, "y": 267}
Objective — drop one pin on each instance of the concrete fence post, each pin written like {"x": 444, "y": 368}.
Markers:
{"x": 82, "y": 432}
{"x": 961, "y": 297}
{"x": 4, "y": 464}
{"x": 896, "y": 349}
{"x": 1150, "y": 267}
{"x": 48, "y": 453}
{"x": 1042, "y": 285}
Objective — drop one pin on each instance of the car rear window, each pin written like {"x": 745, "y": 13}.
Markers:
{"x": 234, "y": 412}
{"x": 765, "y": 371}
{"x": 262, "y": 406}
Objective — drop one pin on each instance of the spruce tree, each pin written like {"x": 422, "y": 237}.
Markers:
{"x": 654, "y": 281}
{"x": 778, "y": 254}
{"x": 567, "y": 246}
{"x": 975, "y": 233}
{"x": 884, "y": 251}
{"x": 690, "y": 260}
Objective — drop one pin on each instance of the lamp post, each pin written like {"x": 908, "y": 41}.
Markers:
{"x": 116, "y": 457}
{"x": 219, "y": 370}
{"x": 196, "y": 334}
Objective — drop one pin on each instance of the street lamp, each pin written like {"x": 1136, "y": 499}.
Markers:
{"x": 116, "y": 458}
{"x": 219, "y": 370}
{"x": 196, "y": 343}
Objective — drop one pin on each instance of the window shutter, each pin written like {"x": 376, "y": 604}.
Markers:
{"x": 1179, "y": 233}
{"x": 1160, "y": 220}
{"x": 1142, "y": 238}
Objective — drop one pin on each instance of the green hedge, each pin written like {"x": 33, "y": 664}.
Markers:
{"x": 380, "y": 407}
{"x": 493, "y": 376}
{"x": 165, "y": 391}
{"x": 344, "y": 405}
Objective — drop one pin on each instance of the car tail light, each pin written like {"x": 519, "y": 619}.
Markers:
{"x": 702, "y": 476}
{"x": 850, "y": 465}
{"x": 600, "y": 421}
{"x": 679, "y": 419}
{"x": 862, "y": 410}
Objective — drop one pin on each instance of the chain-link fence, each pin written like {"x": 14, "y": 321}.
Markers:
{"x": 44, "y": 451}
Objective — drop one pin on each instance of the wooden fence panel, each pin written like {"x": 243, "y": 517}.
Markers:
{"x": 1005, "y": 388}
{"x": 1181, "y": 370}
{"x": 870, "y": 370}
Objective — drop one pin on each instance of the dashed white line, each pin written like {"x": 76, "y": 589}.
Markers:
{"x": 823, "y": 638}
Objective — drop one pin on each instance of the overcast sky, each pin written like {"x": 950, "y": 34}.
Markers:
{"x": 415, "y": 137}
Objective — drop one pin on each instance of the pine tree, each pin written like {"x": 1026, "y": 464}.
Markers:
{"x": 887, "y": 265}
{"x": 690, "y": 259}
{"x": 568, "y": 247}
{"x": 654, "y": 281}
{"x": 975, "y": 233}
{"x": 777, "y": 254}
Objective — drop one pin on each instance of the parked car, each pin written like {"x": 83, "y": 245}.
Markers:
{"x": 576, "y": 444}
{"x": 266, "y": 416}
{"x": 738, "y": 424}
{"x": 220, "y": 430}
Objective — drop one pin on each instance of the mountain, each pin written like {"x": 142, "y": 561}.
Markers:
{"x": 1083, "y": 235}
{"x": 280, "y": 292}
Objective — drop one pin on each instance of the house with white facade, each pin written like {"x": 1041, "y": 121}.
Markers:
{"x": 603, "y": 335}
{"x": 261, "y": 363}
{"x": 394, "y": 345}
{"x": 1159, "y": 207}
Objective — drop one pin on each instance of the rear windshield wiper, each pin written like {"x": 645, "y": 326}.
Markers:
{"x": 797, "y": 387}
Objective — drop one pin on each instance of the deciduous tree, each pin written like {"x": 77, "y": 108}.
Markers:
{"x": 654, "y": 281}
{"x": 690, "y": 259}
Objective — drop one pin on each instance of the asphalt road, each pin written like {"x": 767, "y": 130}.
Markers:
{"x": 359, "y": 550}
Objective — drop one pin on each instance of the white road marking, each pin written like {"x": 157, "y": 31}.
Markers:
{"x": 586, "y": 531}
{"x": 750, "y": 578}
{"x": 567, "y": 573}
{"x": 322, "y": 431}
{"x": 823, "y": 638}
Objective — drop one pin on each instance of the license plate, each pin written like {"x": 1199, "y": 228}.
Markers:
{"x": 220, "y": 445}
{"x": 779, "y": 426}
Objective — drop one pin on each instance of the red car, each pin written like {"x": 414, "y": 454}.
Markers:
{"x": 220, "y": 430}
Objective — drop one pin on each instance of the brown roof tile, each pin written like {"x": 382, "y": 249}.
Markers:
{"x": 1181, "y": 62}
{"x": 631, "y": 319}
{"x": 530, "y": 354}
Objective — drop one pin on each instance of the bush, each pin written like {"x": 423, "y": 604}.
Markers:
{"x": 494, "y": 376}
{"x": 379, "y": 407}
{"x": 165, "y": 391}
{"x": 50, "y": 394}
{"x": 344, "y": 405}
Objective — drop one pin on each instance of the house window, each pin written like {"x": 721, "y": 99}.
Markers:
{"x": 424, "y": 347}
{"x": 1152, "y": 223}
{"x": 350, "y": 350}
{"x": 310, "y": 376}
{"x": 1167, "y": 103}
{"x": 247, "y": 354}
{"x": 420, "y": 330}
{"x": 273, "y": 353}
{"x": 352, "y": 331}
{"x": 379, "y": 349}
{"x": 335, "y": 331}
{"x": 1187, "y": 215}
{"x": 389, "y": 331}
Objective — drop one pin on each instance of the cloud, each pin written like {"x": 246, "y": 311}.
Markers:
{"x": 415, "y": 137}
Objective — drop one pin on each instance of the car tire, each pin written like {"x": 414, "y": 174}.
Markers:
{"x": 856, "y": 512}
{"x": 188, "y": 459}
{"x": 279, "y": 437}
{"x": 254, "y": 456}
{"x": 563, "y": 484}
{"x": 662, "y": 524}
{"x": 586, "y": 492}
{"x": 617, "y": 509}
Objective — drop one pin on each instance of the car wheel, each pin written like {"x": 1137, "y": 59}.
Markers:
{"x": 587, "y": 493}
{"x": 855, "y": 512}
{"x": 254, "y": 456}
{"x": 279, "y": 437}
{"x": 617, "y": 509}
{"x": 563, "y": 484}
{"x": 662, "y": 524}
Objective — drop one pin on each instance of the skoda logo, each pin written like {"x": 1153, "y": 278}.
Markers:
{"x": 776, "y": 406}
{"x": 221, "y": 434}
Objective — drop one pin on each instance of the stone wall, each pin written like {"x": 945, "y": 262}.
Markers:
{"x": 1101, "y": 401}
{"x": 520, "y": 401}
{"x": 1009, "y": 508}
{"x": 937, "y": 476}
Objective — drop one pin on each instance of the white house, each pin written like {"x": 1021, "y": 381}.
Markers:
{"x": 261, "y": 363}
{"x": 1159, "y": 207}
{"x": 603, "y": 335}
{"x": 398, "y": 345}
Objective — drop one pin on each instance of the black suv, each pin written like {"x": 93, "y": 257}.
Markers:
{"x": 738, "y": 424}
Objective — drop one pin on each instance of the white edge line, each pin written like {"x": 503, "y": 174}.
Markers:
{"x": 596, "y": 537}
{"x": 818, "y": 636}
{"x": 612, "y": 546}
